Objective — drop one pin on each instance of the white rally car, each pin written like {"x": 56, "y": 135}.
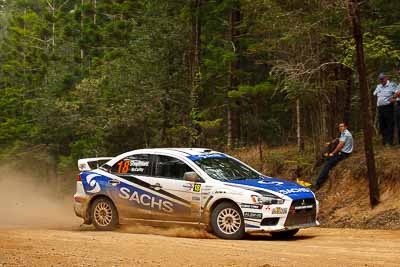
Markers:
{"x": 191, "y": 186}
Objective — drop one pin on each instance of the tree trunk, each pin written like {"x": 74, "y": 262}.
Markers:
{"x": 348, "y": 94}
{"x": 195, "y": 70}
{"x": 95, "y": 12}
{"x": 166, "y": 118}
{"x": 300, "y": 137}
{"x": 82, "y": 17}
{"x": 232, "y": 108}
{"x": 365, "y": 103}
{"x": 53, "y": 28}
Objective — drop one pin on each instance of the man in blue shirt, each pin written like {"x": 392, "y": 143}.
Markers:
{"x": 385, "y": 92}
{"x": 342, "y": 150}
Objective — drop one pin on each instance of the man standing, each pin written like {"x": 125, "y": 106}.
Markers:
{"x": 385, "y": 92}
{"x": 342, "y": 150}
{"x": 397, "y": 112}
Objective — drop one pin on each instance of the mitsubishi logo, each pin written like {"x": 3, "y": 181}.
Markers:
{"x": 303, "y": 202}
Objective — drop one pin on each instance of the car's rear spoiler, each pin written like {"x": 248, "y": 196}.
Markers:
{"x": 83, "y": 164}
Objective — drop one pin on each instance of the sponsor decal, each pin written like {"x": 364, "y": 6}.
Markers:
{"x": 250, "y": 206}
{"x": 196, "y": 187}
{"x": 219, "y": 192}
{"x": 187, "y": 186}
{"x": 93, "y": 183}
{"x": 137, "y": 170}
{"x": 304, "y": 207}
{"x": 279, "y": 210}
{"x": 252, "y": 215}
{"x": 146, "y": 200}
{"x": 294, "y": 190}
{"x": 268, "y": 208}
{"x": 206, "y": 189}
{"x": 137, "y": 165}
{"x": 270, "y": 182}
{"x": 196, "y": 198}
{"x": 140, "y": 163}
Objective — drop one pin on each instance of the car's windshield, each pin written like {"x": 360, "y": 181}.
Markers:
{"x": 224, "y": 169}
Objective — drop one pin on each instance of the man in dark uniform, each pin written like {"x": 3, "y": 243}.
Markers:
{"x": 397, "y": 108}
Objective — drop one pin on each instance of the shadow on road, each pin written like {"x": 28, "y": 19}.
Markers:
{"x": 267, "y": 237}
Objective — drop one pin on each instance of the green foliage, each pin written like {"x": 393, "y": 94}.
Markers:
{"x": 206, "y": 125}
{"x": 379, "y": 51}
{"x": 84, "y": 80}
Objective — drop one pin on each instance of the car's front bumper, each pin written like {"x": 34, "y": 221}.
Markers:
{"x": 280, "y": 228}
{"x": 294, "y": 214}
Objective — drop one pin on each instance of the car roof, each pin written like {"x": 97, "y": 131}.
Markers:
{"x": 181, "y": 151}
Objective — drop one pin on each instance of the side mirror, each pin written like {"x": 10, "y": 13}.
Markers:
{"x": 192, "y": 177}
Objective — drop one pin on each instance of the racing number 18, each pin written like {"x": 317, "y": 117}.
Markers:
{"x": 123, "y": 166}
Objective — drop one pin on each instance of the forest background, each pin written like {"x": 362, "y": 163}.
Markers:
{"x": 87, "y": 78}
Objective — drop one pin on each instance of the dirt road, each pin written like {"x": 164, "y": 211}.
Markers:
{"x": 38, "y": 228}
{"x": 82, "y": 246}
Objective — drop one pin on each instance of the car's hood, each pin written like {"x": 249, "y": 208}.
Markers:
{"x": 290, "y": 189}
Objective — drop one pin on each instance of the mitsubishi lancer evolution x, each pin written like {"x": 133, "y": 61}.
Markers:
{"x": 190, "y": 186}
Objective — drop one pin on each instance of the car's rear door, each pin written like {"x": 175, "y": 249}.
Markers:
{"x": 132, "y": 192}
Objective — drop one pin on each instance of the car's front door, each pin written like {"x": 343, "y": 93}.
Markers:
{"x": 170, "y": 177}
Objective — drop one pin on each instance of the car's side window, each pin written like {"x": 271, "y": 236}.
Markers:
{"x": 139, "y": 164}
{"x": 169, "y": 167}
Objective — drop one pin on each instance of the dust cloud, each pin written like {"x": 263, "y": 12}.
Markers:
{"x": 171, "y": 231}
{"x": 33, "y": 203}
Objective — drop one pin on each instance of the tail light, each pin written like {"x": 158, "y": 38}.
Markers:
{"x": 78, "y": 178}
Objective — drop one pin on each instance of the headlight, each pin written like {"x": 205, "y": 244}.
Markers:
{"x": 267, "y": 200}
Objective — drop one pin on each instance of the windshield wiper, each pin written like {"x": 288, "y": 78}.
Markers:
{"x": 242, "y": 178}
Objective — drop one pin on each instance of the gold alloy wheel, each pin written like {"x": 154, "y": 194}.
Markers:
{"x": 103, "y": 214}
{"x": 229, "y": 221}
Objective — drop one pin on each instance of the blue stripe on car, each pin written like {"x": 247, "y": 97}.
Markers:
{"x": 206, "y": 156}
{"x": 290, "y": 189}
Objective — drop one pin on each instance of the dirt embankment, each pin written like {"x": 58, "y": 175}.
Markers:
{"x": 345, "y": 197}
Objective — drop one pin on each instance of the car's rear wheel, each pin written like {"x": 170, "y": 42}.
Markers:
{"x": 104, "y": 214}
{"x": 227, "y": 221}
{"x": 284, "y": 234}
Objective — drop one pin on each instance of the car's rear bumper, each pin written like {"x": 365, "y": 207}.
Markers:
{"x": 81, "y": 201}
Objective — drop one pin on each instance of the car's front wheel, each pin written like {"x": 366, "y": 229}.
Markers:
{"x": 104, "y": 214}
{"x": 284, "y": 234}
{"x": 227, "y": 221}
